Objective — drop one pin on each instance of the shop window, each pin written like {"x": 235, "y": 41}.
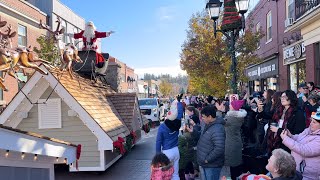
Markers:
{"x": 269, "y": 27}
{"x": 297, "y": 74}
{"x": 22, "y": 35}
{"x": 272, "y": 83}
{"x": 257, "y": 86}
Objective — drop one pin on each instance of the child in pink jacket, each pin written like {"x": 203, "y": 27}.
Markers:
{"x": 161, "y": 167}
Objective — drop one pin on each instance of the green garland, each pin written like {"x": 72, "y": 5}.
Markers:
{"x": 129, "y": 143}
{"x": 231, "y": 19}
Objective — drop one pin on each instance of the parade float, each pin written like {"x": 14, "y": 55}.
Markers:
{"x": 64, "y": 99}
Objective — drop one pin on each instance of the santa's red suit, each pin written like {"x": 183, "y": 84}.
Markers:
{"x": 92, "y": 43}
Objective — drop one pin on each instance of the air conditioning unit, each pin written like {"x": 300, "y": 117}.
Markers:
{"x": 288, "y": 22}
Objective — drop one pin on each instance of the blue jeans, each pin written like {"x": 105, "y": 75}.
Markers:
{"x": 210, "y": 173}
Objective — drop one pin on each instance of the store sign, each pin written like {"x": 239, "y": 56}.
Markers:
{"x": 294, "y": 53}
{"x": 264, "y": 70}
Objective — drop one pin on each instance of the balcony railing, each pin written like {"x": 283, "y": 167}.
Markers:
{"x": 303, "y": 6}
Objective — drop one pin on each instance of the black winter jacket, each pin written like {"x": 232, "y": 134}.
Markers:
{"x": 211, "y": 145}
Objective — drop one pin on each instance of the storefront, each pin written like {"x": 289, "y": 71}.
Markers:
{"x": 294, "y": 57}
{"x": 263, "y": 76}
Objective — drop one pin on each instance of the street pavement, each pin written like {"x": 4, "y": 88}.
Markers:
{"x": 134, "y": 166}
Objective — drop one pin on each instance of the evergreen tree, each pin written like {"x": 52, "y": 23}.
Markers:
{"x": 48, "y": 50}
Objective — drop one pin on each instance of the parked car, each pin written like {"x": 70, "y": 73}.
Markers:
{"x": 149, "y": 107}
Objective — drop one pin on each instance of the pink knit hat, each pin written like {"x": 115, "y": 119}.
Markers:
{"x": 237, "y": 104}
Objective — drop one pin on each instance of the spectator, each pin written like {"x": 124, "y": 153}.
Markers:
{"x": 191, "y": 142}
{"x": 233, "y": 150}
{"x": 250, "y": 124}
{"x": 193, "y": 114}
{"x": 312, "y": 88}
{"x": 311, "y": 105}
{"x": 264, "y": 114}
{"x": 161, "y": 167}
{"x": 305, "y": 148}
{"x": 302, "y": 95}
{"x": 269, "y": 140}
{"x": 281, "y": 166}
{"x": 180, "y": 107}
{"x": 211, "y": 145}
{"x": 288, "y": 116}
{"x": 187, "y": 100}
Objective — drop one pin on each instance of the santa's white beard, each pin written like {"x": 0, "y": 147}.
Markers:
{"x": 89, "y": 33}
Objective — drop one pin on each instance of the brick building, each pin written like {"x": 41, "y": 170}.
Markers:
{"x": 128, "y": 79}
{"x": 270, "y": 17}
{"x": 305, "y": 17}
{"x": 24, "y": 19}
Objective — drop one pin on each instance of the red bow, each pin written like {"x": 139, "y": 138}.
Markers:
{"x": 119, "y": 144}
{"x": 134, "y": 136}
{"x": 78, "y": 155}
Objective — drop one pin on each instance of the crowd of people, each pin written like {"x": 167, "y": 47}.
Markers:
{"x": 279, "y": 130}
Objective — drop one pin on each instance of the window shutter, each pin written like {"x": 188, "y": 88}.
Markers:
{"x": 49, "y": 114}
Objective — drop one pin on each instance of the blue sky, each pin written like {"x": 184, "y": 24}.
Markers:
{"x": 149, "y": 33}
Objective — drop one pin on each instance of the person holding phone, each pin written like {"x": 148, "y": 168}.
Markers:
{"x": 305, "y": 148}
{"x": 264, "y": 115}
{"x": 288, "y": 116}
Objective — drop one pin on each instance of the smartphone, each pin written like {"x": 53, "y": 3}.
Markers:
{"x": 188, "y": 123}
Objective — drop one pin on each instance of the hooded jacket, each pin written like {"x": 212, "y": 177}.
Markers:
{"x": 233, "y": 149}
{"x": 167, "y": 136}
{"x": 306, "y": 146}
{"x": 211, "y": 145}
{"x": 162, "y": 173}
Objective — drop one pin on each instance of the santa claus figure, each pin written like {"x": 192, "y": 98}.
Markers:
{"x": 89, "y": 36}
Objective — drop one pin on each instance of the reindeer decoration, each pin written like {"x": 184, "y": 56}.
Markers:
{"x": 11, "y": 60}
{"x": 69, "y": 53}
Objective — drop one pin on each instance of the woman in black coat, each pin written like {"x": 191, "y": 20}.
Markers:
{"x": 264, "y": 114}
{"x": 288, "y": 116}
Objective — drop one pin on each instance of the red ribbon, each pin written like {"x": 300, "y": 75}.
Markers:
{"x": 134, "y": 135}
{"x": 78, "y": 155}
{"x": 119, "y": 144}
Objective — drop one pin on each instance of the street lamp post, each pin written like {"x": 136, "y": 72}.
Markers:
{"x": 231, "y": 33}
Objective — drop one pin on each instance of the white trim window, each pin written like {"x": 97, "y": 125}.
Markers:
{"x": 290, "y": 9}
{"x": 258, "y": 28}
{"x": 269, "y": 26}
{"x": 22, "y": 35}
{"x": 49, "y": 113}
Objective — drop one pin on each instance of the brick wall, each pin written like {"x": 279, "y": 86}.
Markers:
{"x": 27, "y": 16}
{"x": 310, "y": 63}
{"x": 278, "y": 11}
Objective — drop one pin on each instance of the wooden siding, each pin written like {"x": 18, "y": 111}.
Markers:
{"x": 73, "y": 130}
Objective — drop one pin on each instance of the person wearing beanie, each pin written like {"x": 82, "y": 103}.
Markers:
{"x": 233, "y": 150}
